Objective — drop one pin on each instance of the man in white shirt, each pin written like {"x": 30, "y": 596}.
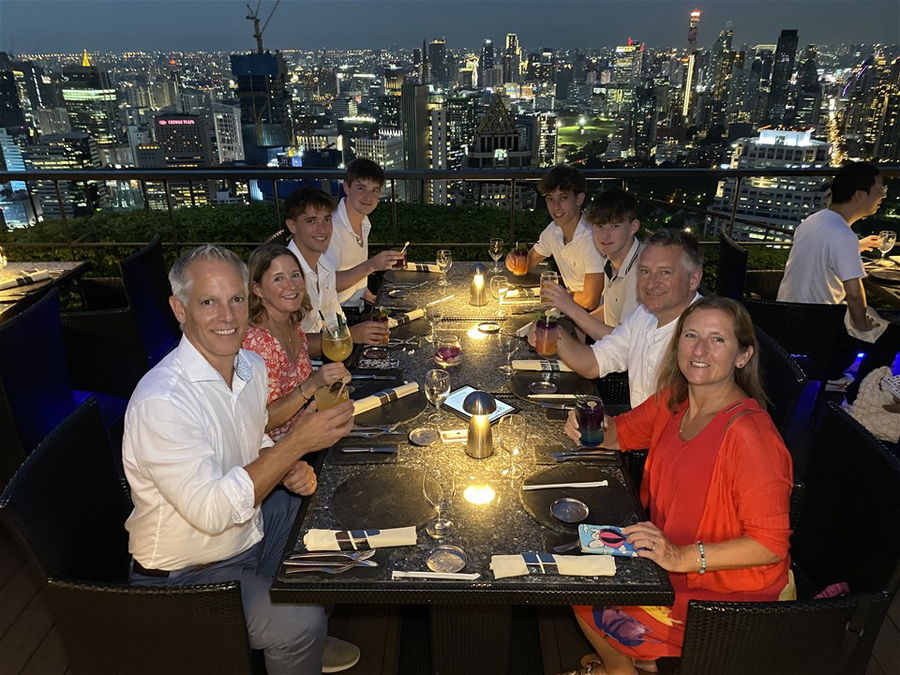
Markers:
{"x": 349, "y": 247}
{"x": 203, "y": 473}
{"x": 308, "y": 218}
{"x": 613, "y": 217}
{"x": 669, "y": 271}
{"x": 568, "y": 238}
{"x": 824, "y": 265}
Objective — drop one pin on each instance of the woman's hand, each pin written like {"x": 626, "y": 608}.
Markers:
{"x": 301, "y": 479}
{"x": 650, "y": 542}
{"x": 572, "y": 427}
{"x": 610, "y": 438}
{"x": 370, "y": 333}
{"x": 327, "y": 375}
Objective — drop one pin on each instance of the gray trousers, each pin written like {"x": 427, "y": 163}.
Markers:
{"x": 292, "y": 637}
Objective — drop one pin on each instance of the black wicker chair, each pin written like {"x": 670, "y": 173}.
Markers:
{"x": 853, "y": 486}
{"x": 732, "y": 268}
{"x": 111, "y": 349}
{"x": 66, "y": 507}
{"x": 762, "y": 284}
{"x": 783, "y": 379}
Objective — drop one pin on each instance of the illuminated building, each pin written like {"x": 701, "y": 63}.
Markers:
{"x": 808, "y": 104}
{"x": 512, "y": 59}
{"x": 73, "y": 150}
{"x": 692, "y": 30}
{"x": 438, "y": 66}
{"x": 181, "y": 142}
{"x": 91, "y": 104}
{"x": 486, "y": 65}
{"x": 414, "y": 122}
{"x": 265, "y": 104}
{"x": 227, "y": 128}
{"x": 782, "y": 70}
{"x": 887, "y": 143}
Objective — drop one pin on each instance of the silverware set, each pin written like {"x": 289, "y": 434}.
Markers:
{"x": 329, "y": 562}
{"x": 373, "y": 432}
{"x": 585, "y": 454}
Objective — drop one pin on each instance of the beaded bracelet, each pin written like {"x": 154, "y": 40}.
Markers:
{"x": 702, "y": 569}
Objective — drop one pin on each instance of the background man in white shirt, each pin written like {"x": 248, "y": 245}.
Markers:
{"x": 613, "y": 218}
{"x": 308, "y": 218}
{"x": 824, "y": 265}
{"x": 203, "y": 473}
{"x": 670, "y": 268}
{"x": 568, "y": 237}
{"x": 349, "y": 247}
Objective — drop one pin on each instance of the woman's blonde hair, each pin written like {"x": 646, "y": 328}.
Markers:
{"x": 747, "y": 377}
{"x": 260, "y": 261}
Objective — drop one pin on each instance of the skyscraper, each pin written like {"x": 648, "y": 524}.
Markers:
{"x": 782, "y": 70}
{"x": 512, "y": 58}
{"x": 438, "y": 67}
{"x": 181, "y": 142}
{"x": 227, "y": 126}
{"x": 414, "y": 121}
{"x": 887, "y": 143}
{"x": 91, "y": 104}
{"x": 486, "y": 65}
{"x": 73, "y": 150}
{"x": 265, "y": 104}
{"x": 692, "y": 30}
{"x": 808, "y": 104}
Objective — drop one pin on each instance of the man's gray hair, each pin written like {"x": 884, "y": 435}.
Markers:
{"x": 690, "y": 247}
{"x": 178, "y": 276}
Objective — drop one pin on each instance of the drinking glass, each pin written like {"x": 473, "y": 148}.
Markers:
{"x": 328, "y": 397}
{"x": 444, "y": 260}
{"x": 509, "y": 343}
{"x": 546, "y": 336}
{"x": 438, "y": 486}
{"x": 499, "y": 288}
{"x": 886, "y": 241}
{"x": 382, "y": 315}
{"x": 589, "y": 413}
{"x": 337, "y": 344}
{"x": 437, "y": 389}
{"x": 548, "y": 278}
{"x": 512, "y": 432}
{"x": 448, "y": 350}
{"x": 434, "y": 314}
{"x": 495, "y": 250}
{"x": 3, "y": 259}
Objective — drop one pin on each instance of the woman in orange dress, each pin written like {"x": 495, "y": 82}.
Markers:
{"x": 716, "y": 486}
{"x": 277, "y": 303}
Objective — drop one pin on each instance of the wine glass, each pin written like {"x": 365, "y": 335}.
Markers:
{"x": 495, "y": 250}
{"x": 3, "y": 260}
{"x": 886, "y": 241}
{"x": 512, "y": 432}
{"x": 337, "y": 343}
{"x": 509, "y": 343}
{"x": 499, "y": 288}
{"x": 434, "y": 314}
{"x": 444, "y": 260}
{"x": 438, "y": 486}
{"x": 437, "y": 389}
{"x": 448, "y": 350}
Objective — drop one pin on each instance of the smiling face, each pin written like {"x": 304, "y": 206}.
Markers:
{"x": 708, "y": 350}
{"x": 564, "y": 207}
{"x": 214, "y": 318}
{"x": 281, "y": 288}
{"x": 666, "y": 285}
{"x": 613, "y": 240}
{"x": 362, "y": 195}
{"x": 311, "y": 230}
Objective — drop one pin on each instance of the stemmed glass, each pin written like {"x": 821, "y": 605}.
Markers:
{"x": 444, "y": 259}
{"x": 499, "y": 288}
{"x": 513, "y": 432}
{"x": 437, "y": 389}
{"x": 495, "y": 250}
{"x": 3, "y": 260}
{"x": 886, "y": 241}
{"x": 434, "y": 314}
{"x": 509, "y": 343}
{"x": 438, "y": 486}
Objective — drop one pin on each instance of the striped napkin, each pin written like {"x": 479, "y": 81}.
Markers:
{"x": 534, "y": 364}
{"x": 548, "y": 563}
{"x": 393, "y": 322}
{"x": 25, "y": 280}
{"x": 422, "y": 267}
{"x": 522, "y": 293}
{"x": 380, "y": 398}
{"x": 358, "y": 540}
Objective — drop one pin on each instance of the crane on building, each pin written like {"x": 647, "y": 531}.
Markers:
{"x": 253, "y": 15}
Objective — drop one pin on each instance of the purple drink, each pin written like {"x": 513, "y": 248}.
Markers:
{"x": 589, "y": 412}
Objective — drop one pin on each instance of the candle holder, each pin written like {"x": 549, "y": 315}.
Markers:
{"x": 479, "y": 404}
{"x": 478, "y": 295}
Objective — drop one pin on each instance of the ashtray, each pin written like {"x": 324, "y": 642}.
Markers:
{"x": 569, "y": 510}
{"x": 396, "y": 293}
{"x": 375, "y": 353}
{"x": 489, "y": 327}
{"x": 446, "y": 558}
{"x": 423, "y": 436}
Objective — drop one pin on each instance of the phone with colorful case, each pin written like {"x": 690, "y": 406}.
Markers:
{"x": 605, "y": 539}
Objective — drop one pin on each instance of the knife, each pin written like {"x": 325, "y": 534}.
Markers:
{"x": 373, "y": 377}
{"x": 385, "y": 449}
{"x": 545, "y": 486}
{"x": 574, "y": 454}
{"x": 330, "y": 563}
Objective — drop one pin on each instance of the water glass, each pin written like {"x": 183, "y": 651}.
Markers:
{"x": 512, "y": 432}
{"x": 495, "y": 250}
{"x": 437, "y": 389}
{"x": 508, "y": 342}
{"x": 434, "y": 314}
{"x": 438, "y": 486}
{"x": 3, "y": 259}
{"x": 886, "y": 241}
{"x": 444, "y": 260}
{"x": 548, "y": 277}
{"x": 499, "y": 288}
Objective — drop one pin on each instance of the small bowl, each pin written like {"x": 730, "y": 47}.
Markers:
{"x": 376, "y": 353}
{"x": 489, "y": 327}
{"x": 446, "y": 558}
{"x": 569, "y": 510}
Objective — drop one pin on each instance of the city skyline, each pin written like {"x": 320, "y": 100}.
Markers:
{"x": 33, "y": 26}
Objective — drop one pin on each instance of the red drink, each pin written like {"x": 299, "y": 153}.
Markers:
{"x": 546, "y": 334}
{"x": 401, "y": 264}
{"x": 519, "y": 261}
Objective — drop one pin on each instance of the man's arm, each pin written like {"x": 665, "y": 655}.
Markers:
{"x": 383, "y": 261}
{"x": 856, "y": 304}
{"x": 578, "y": 356}
{"x": 534, "y": 259}
{"x": 589, "y": 296}
{"x": 589, "y": 322}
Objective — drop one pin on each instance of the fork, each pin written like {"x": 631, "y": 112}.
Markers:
{"x": 326, "y": 570}
{"x": 349, "y": 555}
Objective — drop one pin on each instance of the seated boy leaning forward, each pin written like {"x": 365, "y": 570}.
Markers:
{"x": 349, "y": 247}
{"x": 568, "y": 237}
{"x": 613, "y": 217}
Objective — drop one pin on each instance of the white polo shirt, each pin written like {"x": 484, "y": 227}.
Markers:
{"x": 188, "y": 436}
{"x": 620, "y": 297}
{"x": 575, "y": 259}
{"x": 321, "y": 287}
{"x": 824, "y": 255}
{"x": 346, "y": 251}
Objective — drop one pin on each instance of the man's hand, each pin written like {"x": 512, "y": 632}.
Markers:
{"x": 385, "y": 260}
{"x": 301, "y": 479}
{"x": 370, "y": 333}
{"x": 554, "y": 295}
{"x": 868, "y": 243}
{"x": 320, "y": 430}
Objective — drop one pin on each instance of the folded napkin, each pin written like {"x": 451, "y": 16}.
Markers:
{"x": 422, "y": 267}
{"x": 25, "y": 280}
{"x": 548, "y": 563}
{"x": 866, "y": 335}
{"x": 358, "y": 540}
{"x": 522, "y": 293}
{"x": 534, "y": 364}
{"x": 381, "y": 397}
{"x": 523, "y": 332}
{"x": 406, "y": 318}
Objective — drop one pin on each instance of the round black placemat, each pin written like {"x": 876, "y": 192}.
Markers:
{"x": 531, "y": 279}
{"x": 362, "y": 388}
{"x": 380, "y": 499}
{"x": 566, "y": 383}
{"x": 414, "y": 328}
{"x": 406, "y": 276}
{"x": 888, "y": 276}
{"x": 401, "y": 410}
{"x": 610, "y": 505}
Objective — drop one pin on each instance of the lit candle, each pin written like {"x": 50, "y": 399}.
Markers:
{"x": 477, "y": 297}
{"x": 479, "y": 494}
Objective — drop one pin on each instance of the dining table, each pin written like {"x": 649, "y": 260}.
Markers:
{"x": 31, "y": 283}
{"x": 362, "y": 492}
{"x": 882, "y": 280}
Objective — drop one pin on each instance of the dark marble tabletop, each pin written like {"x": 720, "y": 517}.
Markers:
{"x": 500, "y": 527}
{"x": 13, "y": 299}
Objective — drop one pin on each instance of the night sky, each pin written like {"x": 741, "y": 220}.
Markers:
{"x": 29, "y": 26}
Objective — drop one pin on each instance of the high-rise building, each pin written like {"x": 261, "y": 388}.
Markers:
{"x": 11, "y": 114}
{"x": 53, "y": 120}
{"x": 462, "y": 122}
{"x": 643, "y": 121}
{"x": 808, "y": 103}
{"x": 546, "y": 139}
{"x": 265, "y": 104}
{"x": 350, "y": 130}
{"x": 91, "y": 104}
{"x": 486, "y": 65}
{"x": 227, "y": 133}
{"x": 887, "y": 142}
{"x": 692, "y": 30}
{"x": 181, "y": 142}
{"x": 73, "y": 150}
{"x": 438, "y": 65}
{"x": 512, "y": 59}
{"x": 415, "y": 124}
{"x": 782, "y": 71}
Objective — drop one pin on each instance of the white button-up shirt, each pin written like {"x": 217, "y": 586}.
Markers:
{"x": 637, "y": 345}
{"x": 321, "y": 287}
{"x": 188, "y": 436}
{"x": 345, "y": 251}
{"x": 575, "y": 259}
{"x": 620, "y": 291}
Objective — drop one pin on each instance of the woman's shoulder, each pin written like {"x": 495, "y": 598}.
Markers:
{"x": 257, "y": 337}
{"x": 752, "y": 433}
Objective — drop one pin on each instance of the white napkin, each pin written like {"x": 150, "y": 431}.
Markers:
{"x": 406, "y": 318}
{"x": 534, "y": 364}
{"x": 422, "y": 267}
{"x": 358, "y": 540}
{"x": 567, "y": 565}
{"x": 523, "y": 331}
{"x": 523, "y": 293}
{"x": 380, "y": 398}
{"x": 866, "y": 335}
{"x": 25, "y": 280}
